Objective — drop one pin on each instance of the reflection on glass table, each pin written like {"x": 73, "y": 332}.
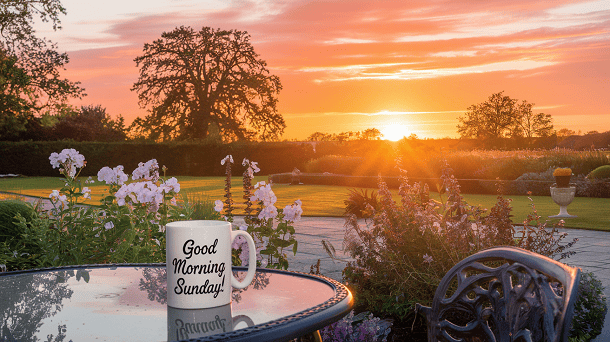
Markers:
{"x": 128, "y": 302}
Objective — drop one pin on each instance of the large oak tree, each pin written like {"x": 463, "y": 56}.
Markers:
{"x": 198, "y": 82}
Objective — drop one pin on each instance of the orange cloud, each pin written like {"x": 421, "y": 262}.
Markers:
{"x": 357, "y": 56}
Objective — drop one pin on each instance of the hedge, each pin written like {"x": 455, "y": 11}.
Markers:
{"x": 31, "y": 158}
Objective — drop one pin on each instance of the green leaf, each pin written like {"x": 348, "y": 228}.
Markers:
{"x": 294, "y": 247}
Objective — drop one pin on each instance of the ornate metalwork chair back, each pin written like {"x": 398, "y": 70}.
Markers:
{"x": 504, "y": 294}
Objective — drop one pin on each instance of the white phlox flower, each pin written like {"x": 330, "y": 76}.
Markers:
{"x": 56, "y": 197}
{"x": 172, "y": 185}
{"x": 140, "y": 192}
{"x": 112, "y": 176}
{"x": 69, "y": 160}
{"x": 148, "y": 171}
{"x": 264, "y": 194}
{"x": 268, "y": 212}
{"x": 427, "y": 259}
{"x": 218, "y": 205}
{"x": 86, "y": 193}
{"x": 109, "y": 225}
{"x": 293, "y": 211}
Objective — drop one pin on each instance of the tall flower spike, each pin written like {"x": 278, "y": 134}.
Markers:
{"x": 247, "y": 183}
{"x": 228, "y": 160}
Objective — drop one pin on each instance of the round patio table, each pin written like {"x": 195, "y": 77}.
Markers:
{"x": 127, "y": 302}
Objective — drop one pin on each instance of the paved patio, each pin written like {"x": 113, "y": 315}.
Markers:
{"x": 592, "y": 253}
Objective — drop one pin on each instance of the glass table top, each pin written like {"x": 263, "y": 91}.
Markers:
{"x": 110, "y": 303}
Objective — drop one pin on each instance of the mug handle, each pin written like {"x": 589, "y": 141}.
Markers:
{"x": 251, "y": 260}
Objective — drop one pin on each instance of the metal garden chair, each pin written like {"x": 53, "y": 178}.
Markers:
{"x": 504, "y": 294}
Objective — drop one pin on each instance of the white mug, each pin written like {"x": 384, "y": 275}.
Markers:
{"x": 199, "y": 263}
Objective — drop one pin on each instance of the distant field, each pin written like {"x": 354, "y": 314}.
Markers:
{"x": 322, "y": 200}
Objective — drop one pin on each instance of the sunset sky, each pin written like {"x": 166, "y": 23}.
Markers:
{"x": 348, "y": 65}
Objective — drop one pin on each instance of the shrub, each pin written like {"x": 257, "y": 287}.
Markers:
{"x": 402, "y": 252}
{"x": 343, "y": 165}
{"x": 597, "y": 188}
{"x": 9, "y": 209}
{"x": 536, "y": 183}
{"x": 358, "y": 203}
{"x": 201, "y": 207}
{"x": 601, "y": 172}
{"x": 20, "y": 250}
{"x": 589, "y": 310}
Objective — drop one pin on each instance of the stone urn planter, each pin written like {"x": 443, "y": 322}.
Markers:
{"x": 563, "y": 192}
{"x": 563, "y": 197}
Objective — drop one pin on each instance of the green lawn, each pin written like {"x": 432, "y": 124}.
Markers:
{"x": 321, "y": 200}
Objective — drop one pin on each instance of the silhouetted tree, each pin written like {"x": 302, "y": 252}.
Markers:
{"x": 193, "y": 80}
{"x": 503, "y": 117}
{"x": 530, "y": 125}
{"x": 319, "y": 136}
{"x": 491, "y": 119}
{"x": 91, "y": 123}
{"x": 31, "y": 65}
{"x": 565, "y": 132}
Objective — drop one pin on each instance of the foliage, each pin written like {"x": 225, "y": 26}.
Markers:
{"x": 33, "y": 82}
{"x": 90, "y": 123}
{"x": 9, "y": 209}
{"x": 403, "y": 251}
{"x": 589, "y": 310}
{"x": 202, "y": 208}
{"x": 127, "y": 227}
{"x": 357, "y": 158}
{"x": 358, "y": 203}
{"x": 601, "y": 172}
{"x": 367, "y": 134}
{"x": 196, "y": 82}
{"x": 361, "y": 327}
{"x": 11, "y": 212}
{"x": 509, "y": 165}
{"x": 344, "y": 165}
{"x": 270, "y": 228}
{"x": 501, "y": 117}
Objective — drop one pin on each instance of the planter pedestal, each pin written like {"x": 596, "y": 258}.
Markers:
{"x": 563, "y": 197}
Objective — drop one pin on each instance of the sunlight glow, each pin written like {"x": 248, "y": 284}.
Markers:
{"x": 394, "y": 132}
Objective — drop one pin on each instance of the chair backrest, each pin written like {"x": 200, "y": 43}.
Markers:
{"x": 504, "y": 294}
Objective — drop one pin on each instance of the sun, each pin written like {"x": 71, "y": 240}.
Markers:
{"x": 394, "y": 132}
